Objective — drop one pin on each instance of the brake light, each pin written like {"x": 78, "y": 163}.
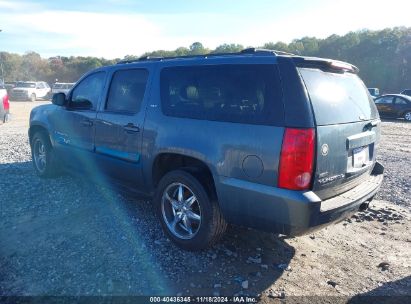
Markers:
{"x": 6, "y": 104}
{"x": 297, "y": 159}
{"x": 342, "y": 66}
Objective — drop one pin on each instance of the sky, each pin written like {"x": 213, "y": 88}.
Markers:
{"x": 115, "y": 28}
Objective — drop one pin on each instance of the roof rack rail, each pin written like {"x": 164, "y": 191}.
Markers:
{"x": 267, "y": 51}
{"x": 143, "y": 58}
{"x": 245, "y": 51}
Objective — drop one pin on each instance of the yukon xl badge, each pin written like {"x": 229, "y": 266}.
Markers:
{"x": 324, "y": 149}
{"x": 330, "y": 179}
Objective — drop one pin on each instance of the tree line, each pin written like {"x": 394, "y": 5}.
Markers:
{"x": 383, "y": 57}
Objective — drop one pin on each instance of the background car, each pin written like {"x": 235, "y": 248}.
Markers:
{"x": 394, "y": 105}
{"x": 374, "y": 92}
{"x": 30, "y": 90}
{"x": 60, "y": 87}
{"x": 4, "y": 104}
{"x": 406, "y": 92}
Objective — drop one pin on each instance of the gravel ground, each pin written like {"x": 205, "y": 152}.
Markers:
{"x": 395, "y": 154}
{"x": 65, "y": 236}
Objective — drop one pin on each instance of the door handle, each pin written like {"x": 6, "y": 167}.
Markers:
{"x": 87, "y": 123}
{"x": 131, "y": 128}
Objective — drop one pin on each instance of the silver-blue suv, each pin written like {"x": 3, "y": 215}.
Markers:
{"x": 267, "y": 140}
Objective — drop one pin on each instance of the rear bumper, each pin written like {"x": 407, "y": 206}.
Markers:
{"x": 290, "y": 212}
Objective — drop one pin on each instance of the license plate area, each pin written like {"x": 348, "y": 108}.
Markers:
{"x": 360, "y": 157}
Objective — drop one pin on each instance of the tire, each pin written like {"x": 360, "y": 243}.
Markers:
{"x": 33, "y": 97}
{"x": 407, "y": 116}
{"x": 43, "y": 156}
{"x": 203, "y": 218}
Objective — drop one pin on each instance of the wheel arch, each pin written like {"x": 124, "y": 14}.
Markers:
{"x": 169, "y": 161}
{"x": 39, "y": 128}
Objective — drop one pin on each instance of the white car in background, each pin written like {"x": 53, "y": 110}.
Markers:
{"x": 61, "y": 87}
{"x": 30, "y": 90}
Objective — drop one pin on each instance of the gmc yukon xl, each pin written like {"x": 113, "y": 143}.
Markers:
{"x": 273, "y": 141}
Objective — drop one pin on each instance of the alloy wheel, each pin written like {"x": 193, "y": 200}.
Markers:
{"x": 181, "y": 211}
{"x": 39, "y": 153}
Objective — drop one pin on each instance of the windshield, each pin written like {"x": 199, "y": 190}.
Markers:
{"x": 65, "y": 86}
{"x": 26, "y": 85}
{"x": 338, "y": 98}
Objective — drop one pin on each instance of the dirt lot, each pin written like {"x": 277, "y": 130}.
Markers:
{"x": 67, "y": 237}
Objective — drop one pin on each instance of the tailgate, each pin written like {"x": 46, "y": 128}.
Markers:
{"x": 347, "y": 130}
{"x": 346, "y": 156}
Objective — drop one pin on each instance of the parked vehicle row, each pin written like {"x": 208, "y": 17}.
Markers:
{"x": 275, "y": 142}
{"x": 33, "y": 90}
{"x": 30, "y": 90}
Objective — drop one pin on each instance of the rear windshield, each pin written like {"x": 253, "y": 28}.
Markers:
{"x": 58, "y": 86}
{"x": 245, "y": 93}
{"x": 338, "y": 98}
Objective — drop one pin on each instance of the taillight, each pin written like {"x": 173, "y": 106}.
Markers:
{"x": 297, "y": 159}
{"x": 6, "y": 104}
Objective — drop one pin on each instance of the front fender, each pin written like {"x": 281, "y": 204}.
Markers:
{"x": 40, "y": 120}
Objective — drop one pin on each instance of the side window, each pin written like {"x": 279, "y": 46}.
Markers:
{"x": 40, "y": 85}
{"x": 89, "y": 90}
{"x": 244, "y": 93}
{"x": 400, "y": 101}
{"x": 127, "y": 90}
{"x": 385, "y": 100}
{"x": 379, "y": 100}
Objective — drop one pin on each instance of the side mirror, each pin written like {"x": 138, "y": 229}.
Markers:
{"x": 59, "y": 99}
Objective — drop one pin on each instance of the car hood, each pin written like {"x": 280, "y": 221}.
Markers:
{"x": 23, "y": 89}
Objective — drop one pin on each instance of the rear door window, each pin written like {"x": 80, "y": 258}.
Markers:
{"x": 385, "y": 100}
{"x": 400, "y": 101}
{"x": 231, "y": 93}
{"x": 338, "y": 97}
{"x": 127, "y": 90}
